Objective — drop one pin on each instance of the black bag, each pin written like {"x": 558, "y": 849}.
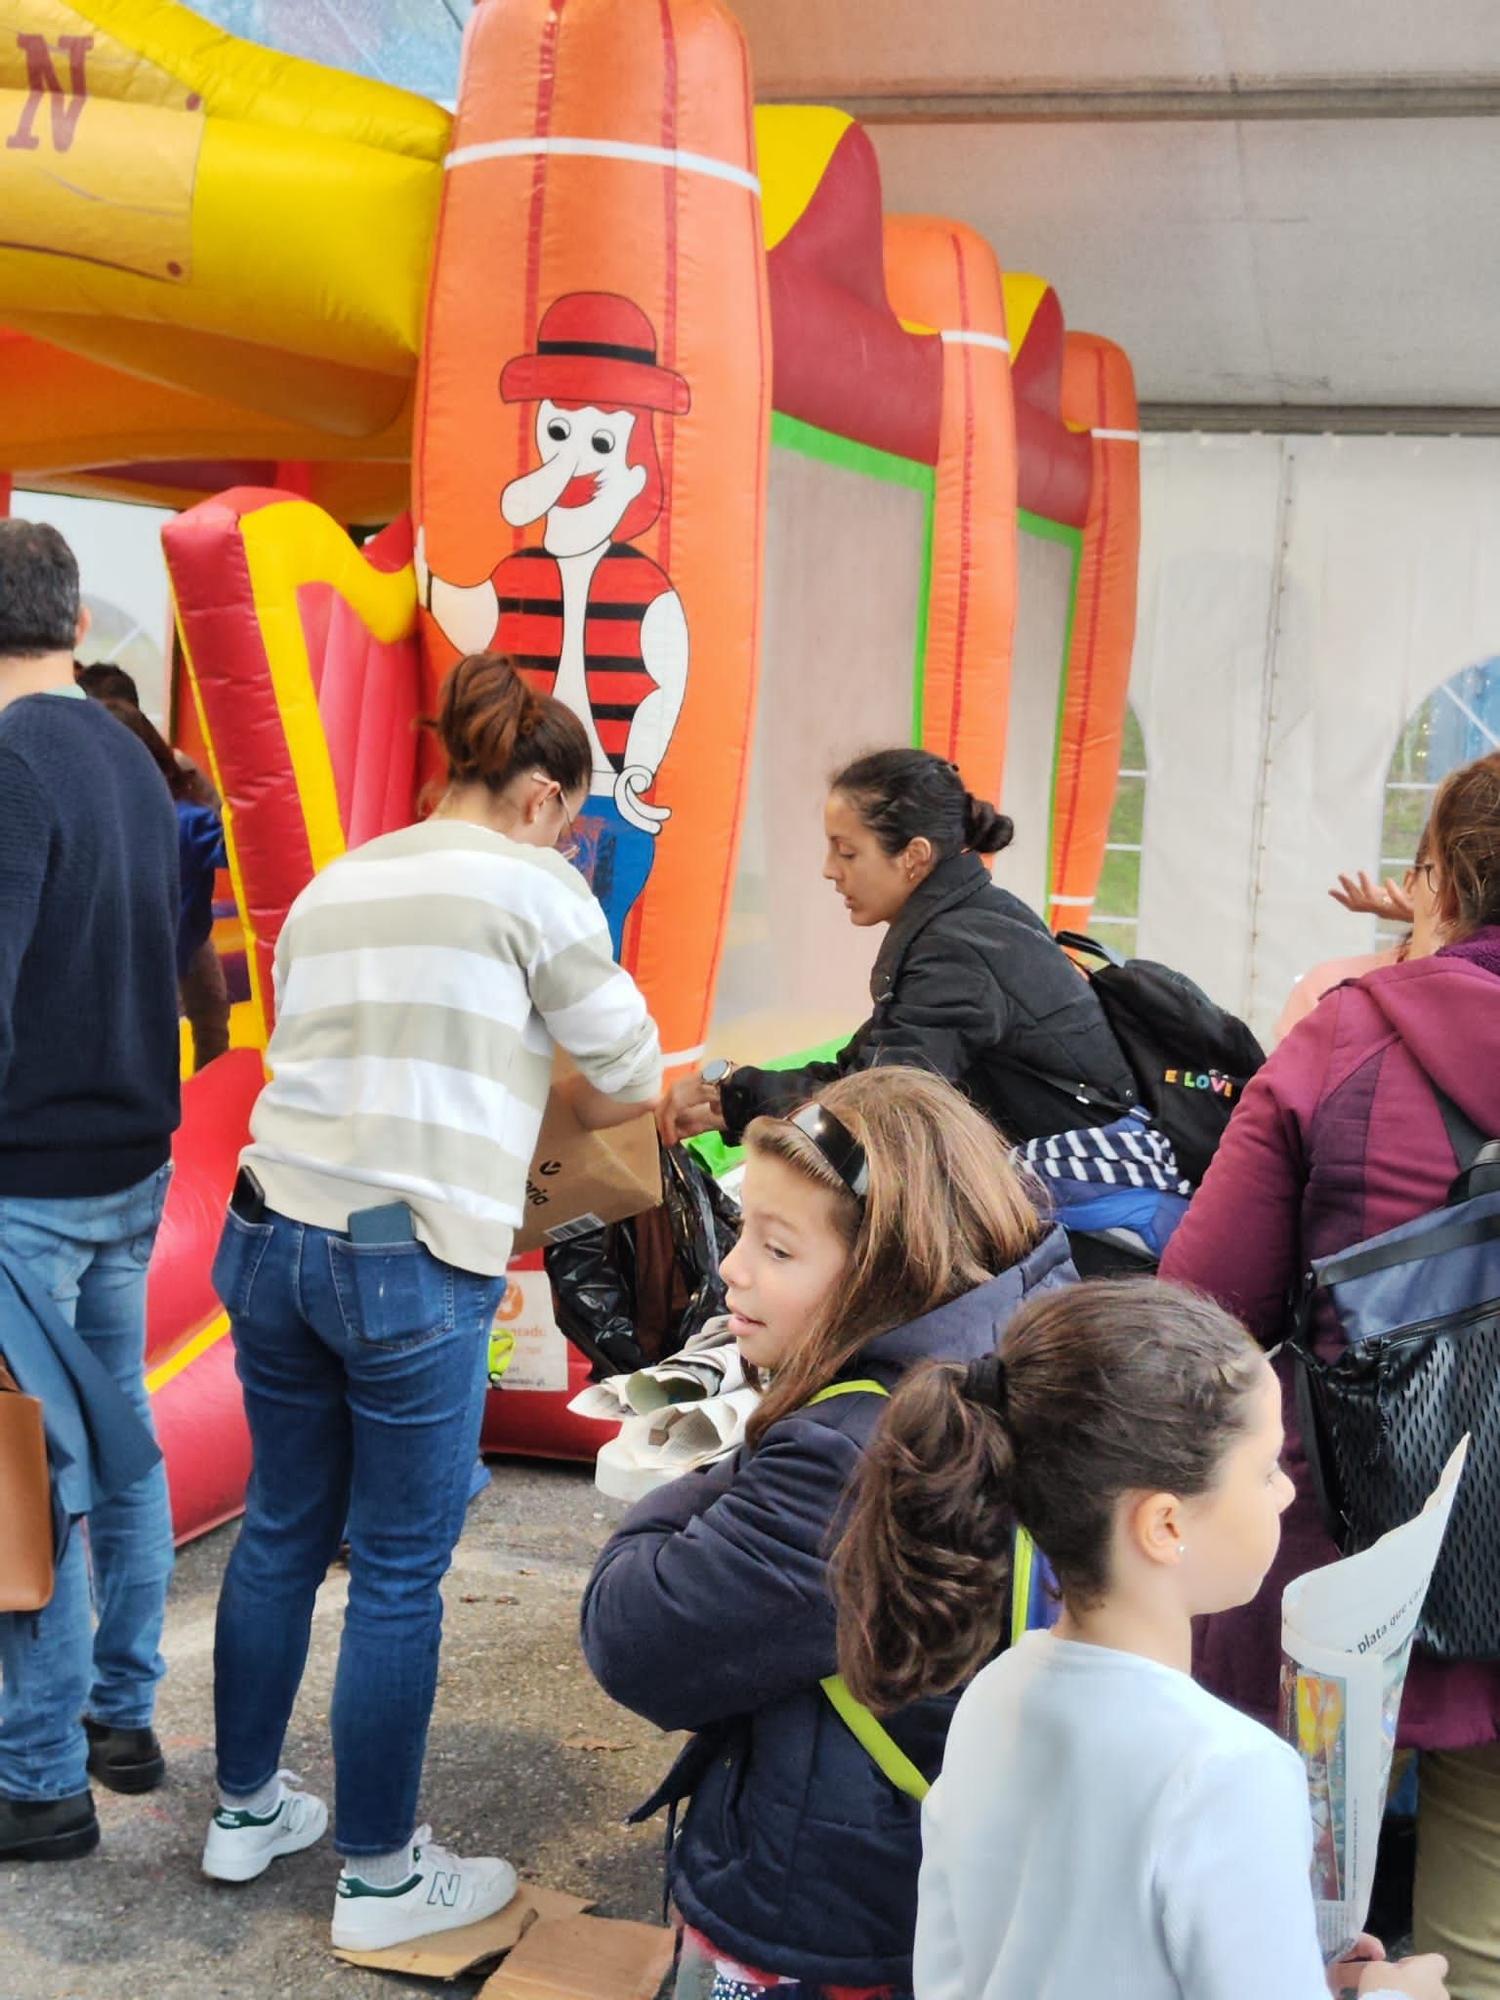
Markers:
{"x": 1190, "y": 1058}
{"x": 1420, "y": 1309}
{"x": 634, "y": 1292}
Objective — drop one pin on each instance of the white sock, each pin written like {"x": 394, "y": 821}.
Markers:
{"x": 259, "y": 1802}
{"x": 382, "y": 1871}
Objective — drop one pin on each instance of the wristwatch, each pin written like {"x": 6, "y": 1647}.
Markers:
{"x": 717, "y": 1072}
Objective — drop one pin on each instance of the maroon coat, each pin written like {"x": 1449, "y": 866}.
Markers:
{"x": 1337, "y": 1139}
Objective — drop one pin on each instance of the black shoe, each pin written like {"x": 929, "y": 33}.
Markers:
{"x": 48, "y": 1829}
{"x": 126, "y": 1760}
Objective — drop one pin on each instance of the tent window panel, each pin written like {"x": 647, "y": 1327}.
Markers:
{"x": 1117, "y": 905}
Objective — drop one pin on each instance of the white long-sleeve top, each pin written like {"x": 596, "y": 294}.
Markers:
{"x": 1104, "y": 1829}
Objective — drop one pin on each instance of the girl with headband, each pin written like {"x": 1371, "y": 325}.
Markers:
{"x": 884, "y": 1226}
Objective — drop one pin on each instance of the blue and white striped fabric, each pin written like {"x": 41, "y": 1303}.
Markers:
{"x": 1122, "y": 1177}
{"x": 1130, "y": 1153}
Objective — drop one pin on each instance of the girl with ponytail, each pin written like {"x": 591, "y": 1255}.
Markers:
{"x": 1102, "y": 1825}
{"x": 968, "y": 982}
{"x": 883, "y": 1225}
{"x": 422, "y": 981}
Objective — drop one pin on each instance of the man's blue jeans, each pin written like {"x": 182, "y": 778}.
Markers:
{"x": 364, "y": 1370}
{"x": 91, "y": 1254}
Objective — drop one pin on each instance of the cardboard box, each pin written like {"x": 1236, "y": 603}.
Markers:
{"x": 584, "y": 1958}
{"x": 447, "y": 1954}
{"x": 580, "y": 1179}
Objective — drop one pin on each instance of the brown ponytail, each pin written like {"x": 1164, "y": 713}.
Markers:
{"x": 1463, "y": 839}
{"x": 1106, "y": 1388}
{"x": 493, "y": 726}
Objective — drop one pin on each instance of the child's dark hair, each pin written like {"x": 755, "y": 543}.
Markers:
{"x": 493, "y": 726}
{"x": 1100, "y": 1389}
{"x": 104, "y": 681}
{"x": 907, "y": 795}
{"x": 141, "y": 726}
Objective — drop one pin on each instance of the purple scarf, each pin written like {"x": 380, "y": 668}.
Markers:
{"x": 1481, "y": 949}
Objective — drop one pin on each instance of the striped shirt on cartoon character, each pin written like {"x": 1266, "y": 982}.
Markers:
{"x": 585, "y": 616}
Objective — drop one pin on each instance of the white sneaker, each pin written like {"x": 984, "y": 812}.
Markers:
{"x": 242, "y": 1845}
{"x": 442, "y": 1893}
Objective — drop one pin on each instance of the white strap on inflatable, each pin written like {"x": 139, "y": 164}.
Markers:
{"x": 604, "y": 149}
{"x": 962, "y": 336}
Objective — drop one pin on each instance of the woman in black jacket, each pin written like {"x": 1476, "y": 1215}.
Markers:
{"x": 968, "y": 982}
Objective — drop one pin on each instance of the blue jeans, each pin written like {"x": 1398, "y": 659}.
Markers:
{"x": 615, "y": 858}
{"x": 364, "y": 1370}
{"x": 91, "y": 1255}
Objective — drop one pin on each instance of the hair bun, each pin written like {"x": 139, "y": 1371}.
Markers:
{"x": 986, "y": 831}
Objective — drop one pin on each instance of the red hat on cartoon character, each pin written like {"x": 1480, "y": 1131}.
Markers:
{"x": 595, "y": 348}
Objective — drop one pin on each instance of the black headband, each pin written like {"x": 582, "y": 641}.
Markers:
{"x": 837, "y": 1144}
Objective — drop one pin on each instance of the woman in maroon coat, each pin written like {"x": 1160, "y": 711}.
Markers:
{"x": 1338, "y": 1138}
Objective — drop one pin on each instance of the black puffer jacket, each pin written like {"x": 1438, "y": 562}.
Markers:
{"x": 970, "y": 982}
{"x": 709, "y": 1610}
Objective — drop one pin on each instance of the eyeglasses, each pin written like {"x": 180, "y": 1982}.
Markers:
{"x": 1427, "y": 868}
{"x": 566, "y": 844}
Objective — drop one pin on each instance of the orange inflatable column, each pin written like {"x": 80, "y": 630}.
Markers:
{"x": 592, "y": 428}
{"x": 1098, "y": 396}
{"x": 944, "y": 276}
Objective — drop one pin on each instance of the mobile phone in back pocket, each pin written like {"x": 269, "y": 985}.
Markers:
{"x": 382, "y": 1227}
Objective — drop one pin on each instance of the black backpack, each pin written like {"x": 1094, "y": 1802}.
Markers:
{"x": 1190, "y": 1058}
{"x": 1419, "y": 1309}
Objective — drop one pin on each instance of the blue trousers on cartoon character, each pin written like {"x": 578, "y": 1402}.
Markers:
{"x": 615, "y": 857}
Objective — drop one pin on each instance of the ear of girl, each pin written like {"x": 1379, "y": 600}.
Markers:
{"x": 886, "y": 1229}
{"x": 1134, "y": 1430}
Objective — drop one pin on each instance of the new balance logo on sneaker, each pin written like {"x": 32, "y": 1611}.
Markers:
{"x": 242, "y": 1845}
{"x": 234, "y": 1820}
{"x": 444, "y": 1892}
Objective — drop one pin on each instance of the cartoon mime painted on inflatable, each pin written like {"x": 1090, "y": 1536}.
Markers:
{"x": 585, "y": 616}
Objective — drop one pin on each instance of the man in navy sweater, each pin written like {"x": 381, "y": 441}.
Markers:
{"x": 88, "y": 1104}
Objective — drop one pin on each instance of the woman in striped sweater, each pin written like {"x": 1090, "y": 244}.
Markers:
{"x": 422, "y": 984}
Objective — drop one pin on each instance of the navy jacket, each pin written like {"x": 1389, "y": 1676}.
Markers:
{"x": 969, "y": 982}
{"x": 709, "y": 1610}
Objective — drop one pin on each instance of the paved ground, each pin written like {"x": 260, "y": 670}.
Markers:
{"x": 527, "y": 1758}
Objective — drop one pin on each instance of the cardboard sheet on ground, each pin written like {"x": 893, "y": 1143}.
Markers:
{"x": 584, "y": 1958}
{"x": 449, "y": 1953}
{"x": 580, "y": 1179}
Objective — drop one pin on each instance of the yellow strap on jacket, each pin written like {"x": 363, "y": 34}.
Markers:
{"x": 867, "y": 1729}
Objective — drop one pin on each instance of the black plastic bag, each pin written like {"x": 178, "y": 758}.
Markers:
{"x": 634, "y": 1292}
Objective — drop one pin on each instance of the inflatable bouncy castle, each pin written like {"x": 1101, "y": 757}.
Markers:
{"x": 613, "y": 373}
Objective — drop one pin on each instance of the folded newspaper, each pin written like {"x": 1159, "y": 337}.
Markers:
{"x": 676, "y": 1416}
{"x": 1346, "y": 1638}
{"x": 707, "y": 1365}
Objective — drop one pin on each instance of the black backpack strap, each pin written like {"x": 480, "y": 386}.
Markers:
{"x": 1464, "y": 1136}
{"x": 1475, "y": 1153}
{"x": 1080, "y": 1092}
{"x": 1088, "y": 947}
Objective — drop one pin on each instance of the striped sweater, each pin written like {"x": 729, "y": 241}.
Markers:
{"x": 422, "y": 984}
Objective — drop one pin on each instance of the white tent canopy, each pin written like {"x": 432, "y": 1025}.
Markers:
{"x": 1272, "y": 206}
